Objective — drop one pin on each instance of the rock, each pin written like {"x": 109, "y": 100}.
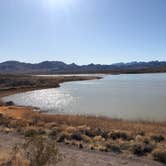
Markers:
{"x": 9, "y": 103}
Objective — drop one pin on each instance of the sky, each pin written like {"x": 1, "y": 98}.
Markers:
{"x": 83, "y": 31}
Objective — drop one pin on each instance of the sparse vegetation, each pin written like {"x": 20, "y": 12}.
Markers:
{"x": 160, "y": 155}
{"x": 113, "y": 147}
{"x": 30, "y": 133}
{"x": 157, "y": 138}
{"x": 141, "y": 149}
{"x": 36, "y": 151}
{"x": 93, "y": 133}
{"x": 41, "y": 151}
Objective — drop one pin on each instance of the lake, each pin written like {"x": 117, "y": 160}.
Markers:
{"x": 126, "y": 96}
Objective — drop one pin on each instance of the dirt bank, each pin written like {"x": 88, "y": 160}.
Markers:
{"x": 11, "y": 84}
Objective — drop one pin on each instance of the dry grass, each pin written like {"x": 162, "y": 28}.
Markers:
{"x": 107, "y": 124}
{"x": 95, "y": 133}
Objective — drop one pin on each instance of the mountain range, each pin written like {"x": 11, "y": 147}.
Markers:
{"x": 58, "y": 67}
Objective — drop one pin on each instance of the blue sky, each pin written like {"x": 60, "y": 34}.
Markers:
{"x": 83, "y": 31}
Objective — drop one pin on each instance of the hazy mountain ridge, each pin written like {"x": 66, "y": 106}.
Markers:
{"x": 56, "y": 67}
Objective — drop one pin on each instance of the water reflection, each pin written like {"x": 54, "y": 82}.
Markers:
{"x": 119, "y": 96}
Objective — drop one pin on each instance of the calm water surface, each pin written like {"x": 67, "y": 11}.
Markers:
{"x": 134, "y": 97}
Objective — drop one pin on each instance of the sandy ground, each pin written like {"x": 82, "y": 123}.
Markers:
{"x": 75, "y": 157}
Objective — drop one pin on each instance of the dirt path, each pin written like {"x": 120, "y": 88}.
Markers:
{"x": 76, "y": 157}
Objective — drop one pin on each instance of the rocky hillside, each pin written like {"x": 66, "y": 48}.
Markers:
{"x": 57, "y": 67}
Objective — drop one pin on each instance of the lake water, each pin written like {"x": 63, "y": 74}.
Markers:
{"x": 126, "y": 96}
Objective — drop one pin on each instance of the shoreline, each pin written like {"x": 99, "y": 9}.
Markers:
{"x": 11, "y": 91}
{"x": 140, "y": 138}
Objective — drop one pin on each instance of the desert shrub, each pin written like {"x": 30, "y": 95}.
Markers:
{"x": 92, "y": 132}
{"x": 99, "y": 132}
{"x": 99, "y": 147}
{"x": 89, "y": 133}
{"x": 142, "y": 149}
{"x": 41, "y": 151}
{"x": 113, "y": 147}
{"x": 42, "y": 132}
{"x": 137, "y": 149}
{"x": 53, "y": 133}
{"x": 118, "y": 134}
{"x": 17, "y": 157}
{"x": 63, "y": 136}
{"x": 157, "y": 138}
{"x": 159, "y": 155}
{"x": 148, "y": 148}
{"x": 30, "y": 133}
{"x": 77, "y": 136}
{"x": 124, "y": 145}
{"x": 105, "y": 134}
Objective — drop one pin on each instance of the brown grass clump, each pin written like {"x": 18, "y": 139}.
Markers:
{"x": 41, "y": 151}
{"x": 86, "y": 139}
{"x": 36, "y": 151}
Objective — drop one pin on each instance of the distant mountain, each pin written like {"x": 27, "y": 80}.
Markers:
{"x": 57, "y": 67}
